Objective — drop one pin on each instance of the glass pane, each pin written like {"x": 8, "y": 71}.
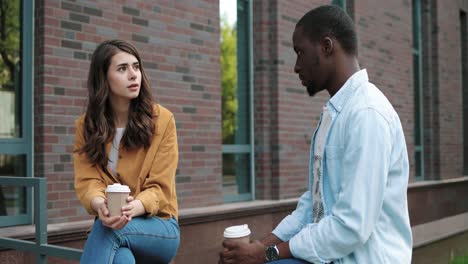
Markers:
{"x": 417, "y": 100}
{"x": 228, "y": 70}
{"x": 241, "y": 134}
{"x": 10, "y": 62}
{"x": 418, "y": 164}
{"x": 235, "y": 67}
{"x": 12, "y": 199}
{"x": 340, "y": 3}
{"x": 236, "y": 174}
{"x": 464, "y": 70}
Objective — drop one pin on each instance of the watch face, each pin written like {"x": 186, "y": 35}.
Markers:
{"x": 271, "y": 253}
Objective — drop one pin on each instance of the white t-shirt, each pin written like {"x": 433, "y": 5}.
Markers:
{"x": 114, "y": 151}
{"x": 319, "y": 145}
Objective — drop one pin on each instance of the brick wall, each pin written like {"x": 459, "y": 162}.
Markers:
{"x": 179, "y": 43}
{"x": 430, "y": 80}
{"x": 388, "y": 58}
{"x": 298, "y": 113}
{"x": 285, "y": 116}
{"x": 443, "y": 126}
{"x": 450, "y": 90}
{"x": 264, "y": 99}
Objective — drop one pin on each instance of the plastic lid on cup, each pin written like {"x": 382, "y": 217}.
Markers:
{"x": 117, "y": 187}
{"x": 237, "y": 231}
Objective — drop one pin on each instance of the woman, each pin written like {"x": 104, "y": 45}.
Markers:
{"x": 124, "y": 137}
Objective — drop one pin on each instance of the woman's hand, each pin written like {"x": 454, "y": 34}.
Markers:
{"x": 99, "y": 205}
{"x": 133, "y": 208}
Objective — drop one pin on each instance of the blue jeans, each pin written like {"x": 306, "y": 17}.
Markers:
{"x": 288, "y": 261}
{"x": 142, "y": 240}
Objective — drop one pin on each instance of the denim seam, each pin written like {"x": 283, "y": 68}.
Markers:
{"x": 115, "y": 247}
{"x": 145, "y": 234}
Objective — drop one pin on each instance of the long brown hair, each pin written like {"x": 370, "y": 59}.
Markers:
{"x": 99, "y": 126}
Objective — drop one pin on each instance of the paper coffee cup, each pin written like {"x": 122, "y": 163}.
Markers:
{"x": 240, "y": 233}
{"x": 116, "y": 198}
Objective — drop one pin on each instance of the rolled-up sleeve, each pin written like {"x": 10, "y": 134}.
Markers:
{"x": 88, "y": 181}
{"x": 365, "y": 161}
{"x": 293, "y": 223}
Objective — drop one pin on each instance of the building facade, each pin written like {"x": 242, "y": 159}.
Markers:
{"x": 246, "y": 164}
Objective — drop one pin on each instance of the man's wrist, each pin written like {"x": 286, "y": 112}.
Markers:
{"x": 271, "y": 239}
{"x": 271, "y": 253}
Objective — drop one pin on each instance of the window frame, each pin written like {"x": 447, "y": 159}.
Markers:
{"x": 23, "y": 145}
{"x": 346, "y": 5}
{"x": 418, "y": 91}
{"x": 464, "y": 85}
{"x": 340, "y": 3}
{"x": 245, "y": 148}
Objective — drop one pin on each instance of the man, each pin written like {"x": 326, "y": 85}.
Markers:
{"x": 356, "y": 209}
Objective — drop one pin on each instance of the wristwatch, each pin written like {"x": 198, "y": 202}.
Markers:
{"x": 271, "y": 253}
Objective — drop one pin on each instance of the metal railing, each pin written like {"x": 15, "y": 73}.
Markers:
{"x": 39, "y": 246}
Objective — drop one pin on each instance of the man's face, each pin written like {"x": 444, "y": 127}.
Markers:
{"x": 308, "y": 64}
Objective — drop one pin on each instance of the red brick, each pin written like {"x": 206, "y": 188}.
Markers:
{"x": 285, "y": 117}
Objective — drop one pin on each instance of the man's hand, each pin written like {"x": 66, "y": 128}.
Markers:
{"x": 133, "y": 208}
{"x": 242, "y": 253}
{"x": 99, "y": 205}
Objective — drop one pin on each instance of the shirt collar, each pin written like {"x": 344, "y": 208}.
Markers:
{"x": 339, "y": 100}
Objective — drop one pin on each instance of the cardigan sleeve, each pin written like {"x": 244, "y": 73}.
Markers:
{"x": 88, "y": 181}
{"x": 158, "y": 188}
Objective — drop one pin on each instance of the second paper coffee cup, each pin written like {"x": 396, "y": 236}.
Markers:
{"x": 239, "y": 233}
{"x": 116, "y": 197}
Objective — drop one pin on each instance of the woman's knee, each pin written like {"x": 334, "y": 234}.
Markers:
{"x": 156, "y": 239}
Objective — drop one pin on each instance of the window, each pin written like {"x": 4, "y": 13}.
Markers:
{"x": 16, "y": 108}
{"x": 340, "y": 3}
{"x": 464, "y": 71}
{"x": 237, "y": 102}
{"x": 347, "y": 5}
{"x": 418, "y": 95}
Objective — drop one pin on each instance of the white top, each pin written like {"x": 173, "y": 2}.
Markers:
{"x": 319, "y": 145}
{"x": 114, "y": 151}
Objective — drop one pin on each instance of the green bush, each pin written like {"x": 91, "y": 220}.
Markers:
{"x": 460, "y": 260}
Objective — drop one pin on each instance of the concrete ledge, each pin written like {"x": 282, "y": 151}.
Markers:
{"x": 428, "y": 233}
{"x": 423, "y": 234}
{"x": 57, "y": 233}
{"x": 434, "y": 200}
{"x": 77, "y": 230}
{"x": 426, "y": 184}
{"x": 234, "y": 210}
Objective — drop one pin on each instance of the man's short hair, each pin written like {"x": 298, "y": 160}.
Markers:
{"x": 332, "y": 21}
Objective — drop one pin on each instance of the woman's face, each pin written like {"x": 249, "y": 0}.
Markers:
{"x": 124, "y": 77}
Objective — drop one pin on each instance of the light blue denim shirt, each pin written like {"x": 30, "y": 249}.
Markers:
{"x": 365, "y": 179}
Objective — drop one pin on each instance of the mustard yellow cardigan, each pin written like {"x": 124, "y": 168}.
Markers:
{"x": 150, "y": 173}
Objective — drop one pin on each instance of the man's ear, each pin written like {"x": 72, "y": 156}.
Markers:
{"x": 328, "y": 46}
